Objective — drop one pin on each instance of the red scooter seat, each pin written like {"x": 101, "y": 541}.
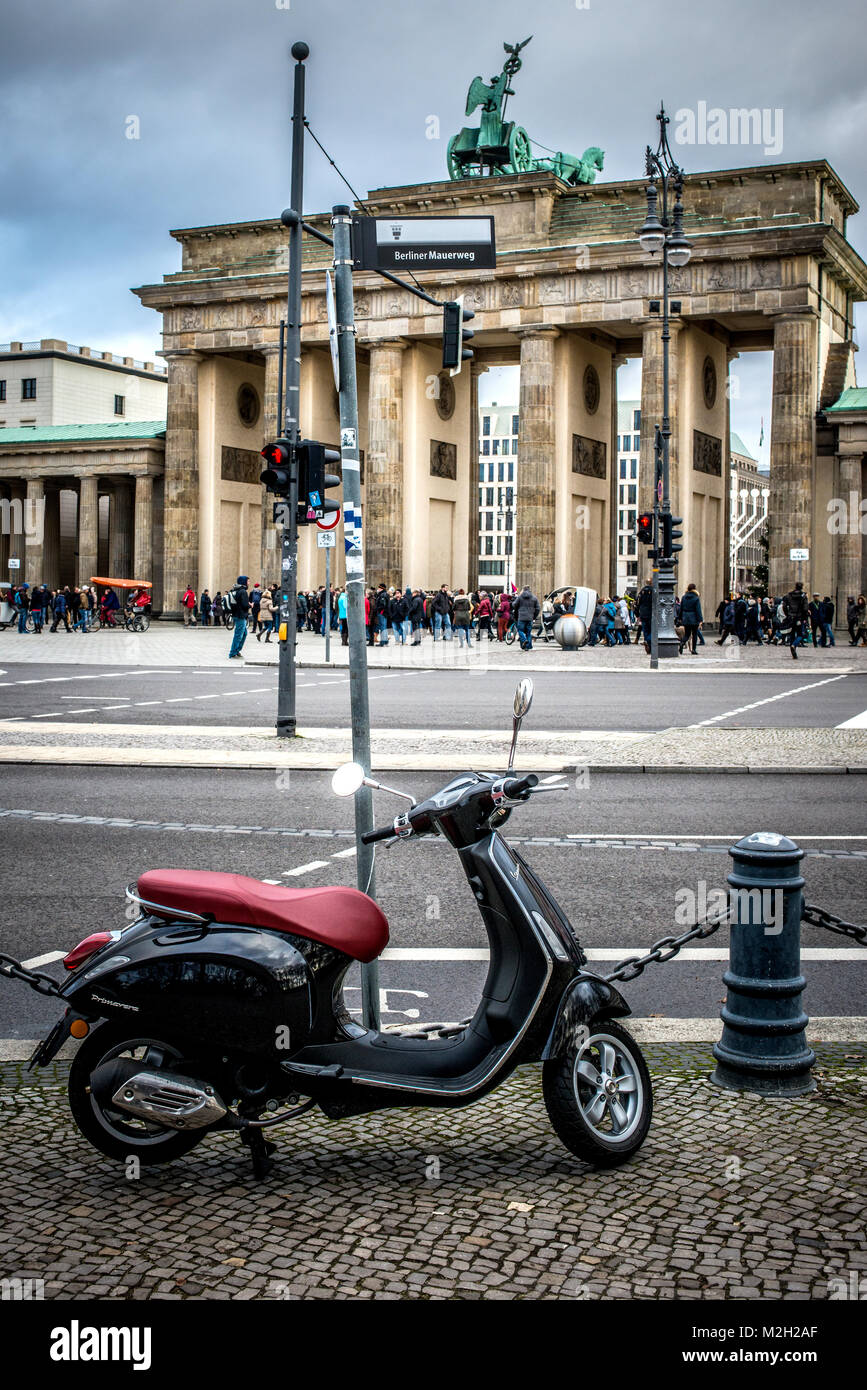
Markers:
{"x": 343, "y": 918}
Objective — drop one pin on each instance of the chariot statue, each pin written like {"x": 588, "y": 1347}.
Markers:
{"x": 498, "y": 146}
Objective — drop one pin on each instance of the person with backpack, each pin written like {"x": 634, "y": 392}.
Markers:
{"x": 60, "y": 609}
{"x": 796, "y": 611}
{"x": 725, "y": 616}
{"x": 188, "y": 604}
{"x": 463, "y": 617}
{"x": 239, "y": 607}
{"x": 504, "y": 616}
{"x": 397, "y": 611}
{"x": 484, "y": 613}
{"x": 527, "y": 610}
{"x": 416, "y": 616}
{"x": 691, "y": 617}
{"x": 22, "y": 605}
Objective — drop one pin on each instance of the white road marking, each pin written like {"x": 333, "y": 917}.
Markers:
{"x": 48, "y": 959}
{"x": 850, "y": 954}
{"x": 769, "y": 700}
{"x": 139, "y": 704}
{"x": 858, "y": 721}
{"x": 719, "y": 839}
{"x": 345, "y": 853}
{"x": 305, "y": 868}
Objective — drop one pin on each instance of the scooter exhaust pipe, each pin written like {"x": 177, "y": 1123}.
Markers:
{"x": 178, "y": 1102}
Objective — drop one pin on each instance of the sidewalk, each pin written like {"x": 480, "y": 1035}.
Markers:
{"x": 170, "y": 644}
{"x": 683, "y": 750}
{"x": 732, "y": 1196}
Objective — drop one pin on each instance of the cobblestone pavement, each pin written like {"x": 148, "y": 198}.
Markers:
{"x": 689, "y": 749}
{"x": 170, "y": 644}
{"x": 731, "y": 1197}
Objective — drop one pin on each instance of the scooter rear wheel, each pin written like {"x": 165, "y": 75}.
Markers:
{"x": 598, "y": 1096}
{"x": 113, "y": 1132}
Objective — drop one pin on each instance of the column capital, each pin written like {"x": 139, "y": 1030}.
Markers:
{"x": 618, "y": 359}
{"x": 179, "y": 354}
{"x": 395, "y": 344}
{"x": 536, "y": 330}
{"x": 477, "y": 368}
{"x": 797, "y": 315}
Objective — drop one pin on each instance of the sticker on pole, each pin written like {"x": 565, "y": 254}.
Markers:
{"x": 348, "y": 438}
{"x": 332, "y": 328}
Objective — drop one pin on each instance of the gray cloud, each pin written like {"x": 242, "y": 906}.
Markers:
{"x": 86, "y": 211}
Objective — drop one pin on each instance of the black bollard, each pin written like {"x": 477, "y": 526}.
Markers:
{"x": 763, "y": 1046}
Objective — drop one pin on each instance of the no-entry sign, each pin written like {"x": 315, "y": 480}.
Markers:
{"x": 423, "y": 243}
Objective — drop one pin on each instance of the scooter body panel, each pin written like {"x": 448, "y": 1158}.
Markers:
{"x": 266, "y": 993}
{"x": 587, "y": 998}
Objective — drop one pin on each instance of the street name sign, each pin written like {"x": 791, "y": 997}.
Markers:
{"x": 423, "y": 243}
{"x": 799, "y": 553}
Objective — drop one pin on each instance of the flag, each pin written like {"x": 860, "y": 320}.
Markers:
{"x": 762, "y": 432}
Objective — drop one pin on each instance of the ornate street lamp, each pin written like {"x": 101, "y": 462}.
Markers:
{"x": 663, "y": 234}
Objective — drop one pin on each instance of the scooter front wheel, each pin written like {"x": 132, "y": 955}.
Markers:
{"x": 112, "y": 1131}
{"x": 598, "y": 1096}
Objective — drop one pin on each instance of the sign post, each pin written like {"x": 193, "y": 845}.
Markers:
{"x": 799, "y": 554}
{"x": 352, "y": 535}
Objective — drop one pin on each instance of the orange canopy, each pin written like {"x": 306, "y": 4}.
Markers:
{"x": 121, "y": 583}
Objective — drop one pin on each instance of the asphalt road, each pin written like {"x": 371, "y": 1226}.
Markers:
{"x": 565, "y": 700}
{"x": 61, "y": 879}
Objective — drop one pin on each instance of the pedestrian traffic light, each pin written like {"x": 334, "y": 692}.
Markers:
{"x": 671, "y": 534}
{"x": 644, "y": 528}
{"x": 313, "y": 481}
{"x": 278, "y": 456}
{"x": 455, "y": 351}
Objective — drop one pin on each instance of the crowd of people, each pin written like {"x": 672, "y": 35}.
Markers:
{"x": 74, "y": 608}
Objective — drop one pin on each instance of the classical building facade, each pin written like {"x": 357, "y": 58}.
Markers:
{"x": 81, "y": 464}
{"x": 572, "y": 296}
{"x": 628, "y": 450}
{"x": 748, "y": 515}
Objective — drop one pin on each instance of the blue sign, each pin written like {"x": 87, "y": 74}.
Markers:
{"x": 315, "y": 499}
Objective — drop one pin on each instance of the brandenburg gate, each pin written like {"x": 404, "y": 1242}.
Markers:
{"x": 573, "y": 296}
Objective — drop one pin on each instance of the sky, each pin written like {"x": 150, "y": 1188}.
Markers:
{"x": 204, "y": 88}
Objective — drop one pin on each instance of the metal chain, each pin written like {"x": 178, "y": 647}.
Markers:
{"x": 13, "y": 970}
{"x": 667, "y": 947}
{"x": 818, "y": 917}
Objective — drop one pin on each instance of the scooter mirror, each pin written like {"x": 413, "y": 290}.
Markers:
{"x": 523, "y": 697}
{"x": 347, "y": 779}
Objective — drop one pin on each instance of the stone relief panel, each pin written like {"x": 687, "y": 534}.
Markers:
{"x": 240, "y": 465}
{"x": 707, "y": 453}
{"x": 443, "y": 460}
{"x": 589, "y": 456}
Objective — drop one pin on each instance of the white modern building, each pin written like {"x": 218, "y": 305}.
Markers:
{"x": 52, "y": 382}
{"x": 498, "y": 477}
{"x": 748, "y": 514}
{"x": 628, "y": 454}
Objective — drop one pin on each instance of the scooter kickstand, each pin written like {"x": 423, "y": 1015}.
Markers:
{"x": 261, "y": 1150}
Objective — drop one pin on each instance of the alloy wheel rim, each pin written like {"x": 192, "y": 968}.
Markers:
{"x": 608, "y": 1088}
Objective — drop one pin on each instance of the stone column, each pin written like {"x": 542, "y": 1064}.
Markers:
{"x": 850, "y": 542}
{"x": 181, "y": 506}
{"x": 34, "y": 531}
{"x": 120, "y": 531}
{"x": 728, "y": 576}
{"x": 614, "y": 482}
{"x": 651, "y": 413}
{"x": 383, "y": 512}
{"x": 270, "y": 559}
{"x": 52, "y": 570}
{"x": 792, "y": 445}
{"x": 143, "y": 528}
{"x": 476, "y": 369}
{"x": 535, "y": 529}
{"x": 88, "y": 527}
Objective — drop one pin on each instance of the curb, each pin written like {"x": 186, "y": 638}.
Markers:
{"x": 228, "y": 760}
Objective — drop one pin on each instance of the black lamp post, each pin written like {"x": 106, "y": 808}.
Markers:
{"x": 663, "y": 234}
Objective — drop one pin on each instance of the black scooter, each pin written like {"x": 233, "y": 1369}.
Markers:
{"x": 223, "y": 1001}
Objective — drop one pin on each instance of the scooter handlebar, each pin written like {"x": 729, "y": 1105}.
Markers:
{"x": 384, "y": 833}
{"x": 515, "y": 788}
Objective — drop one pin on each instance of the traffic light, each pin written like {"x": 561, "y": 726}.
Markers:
{"x": 644, "y": 528}
{"x": 278, "y": 456}
{"x": 455, "y": 351}
{"x": 313, "y": 481}
{"x": 671, "y": 534}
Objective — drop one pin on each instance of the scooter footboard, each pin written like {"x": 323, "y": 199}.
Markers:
{"x": 585, "y": 998}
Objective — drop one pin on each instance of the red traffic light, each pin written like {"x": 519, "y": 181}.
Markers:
{"x": 644, "y": 528}
{"x": 277, "y": 456}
